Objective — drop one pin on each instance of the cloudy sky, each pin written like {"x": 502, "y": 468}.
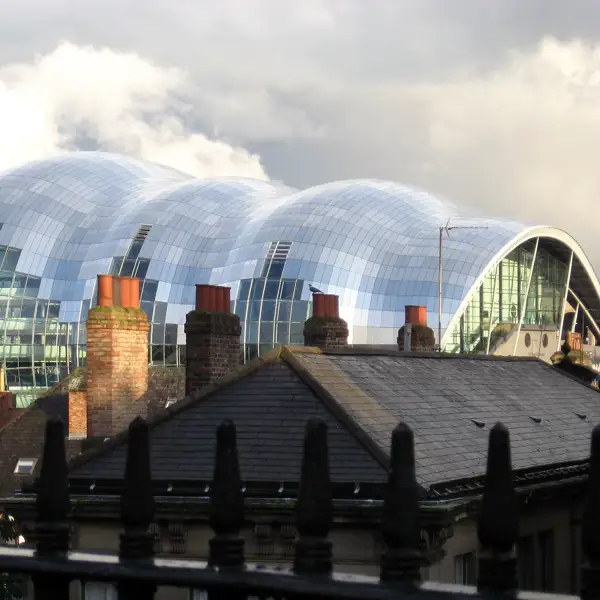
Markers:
{"x": 493, "y": 104}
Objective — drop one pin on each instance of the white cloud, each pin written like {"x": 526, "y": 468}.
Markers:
{"x": 327, "y": 90}
{"x": 118, "y": 101}
{"x": 523, "y": 140}
{"x": 520, "y": 141}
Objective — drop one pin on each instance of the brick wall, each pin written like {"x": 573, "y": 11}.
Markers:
{"x": 422, "y": 339}
{"x": 117, "y": 367}
{"x": 325, "y": 329}
{"x": 326, "y": 332}
{"x": 78, "y": 413}
{"x": 163, "y": 383}
{"x": 8, "y": 412}
{"x": 212, "y": 347}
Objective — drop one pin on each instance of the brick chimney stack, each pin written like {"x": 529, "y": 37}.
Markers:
{"x": 421, "y": 336}
{"x": 325, "y": 329}
{"x": 117, "y": 361}
{"x": 212, "y": 338}
{"x": 8, "y": 410}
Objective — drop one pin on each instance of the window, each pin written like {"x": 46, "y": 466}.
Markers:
{"x": 546, "y": 548}
{"x": 526, "y": 563}
{"x": 99, "y": 591}
{"x": 465, "y": 566}
{"x": 25, "y": 466}
{"x": 170, "y": 401}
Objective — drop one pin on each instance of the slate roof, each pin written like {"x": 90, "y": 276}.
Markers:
{"x": 270, "y": 407}
{"x": 23, "y": 437}
{"x": 442, "y": 398}
{"x": 450, "y": 402}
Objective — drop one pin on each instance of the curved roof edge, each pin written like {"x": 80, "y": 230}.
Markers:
{"x": 531, "y": 233}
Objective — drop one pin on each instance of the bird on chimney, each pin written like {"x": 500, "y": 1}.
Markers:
{"x": 313, "y": 289}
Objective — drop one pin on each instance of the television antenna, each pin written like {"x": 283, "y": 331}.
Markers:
{"x": 446, "y": 229}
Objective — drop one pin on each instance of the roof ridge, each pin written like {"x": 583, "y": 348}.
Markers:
{"x": 349, "y": 351}
{"x": 580, "y": 381}
{"x": 59, "y": 387}
{"x": 289, "y": 355}
{"x": 165, "y": 414}
{"x": 19, "y": 416}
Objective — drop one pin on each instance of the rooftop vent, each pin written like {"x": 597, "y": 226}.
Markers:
{"x": 582, "y": 416}
{"x": 480, "y": 424}
{"x": 536, "y": 419}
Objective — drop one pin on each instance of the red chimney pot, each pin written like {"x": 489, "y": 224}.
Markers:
{"x": 125, "y": 292}
{"x": 416, "y": 315}
{"x": 213, "y": 298}
{"x": 134, "y": 290}
{"x": 326, "y": 306}
{"x": 213, "y": 344}
{"x": 116, "y": 291}
{"x": 105, "y": 290}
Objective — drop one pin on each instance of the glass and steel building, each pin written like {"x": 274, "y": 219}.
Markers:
{"x": 374, "y": 243}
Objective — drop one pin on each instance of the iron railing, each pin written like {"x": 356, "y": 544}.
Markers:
{"x": 137, "y": 573}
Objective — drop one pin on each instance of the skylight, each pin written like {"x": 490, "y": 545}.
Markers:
{"x": 25, "y": 466}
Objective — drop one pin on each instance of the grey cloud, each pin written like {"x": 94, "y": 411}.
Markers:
{"x": 462, "y": 97}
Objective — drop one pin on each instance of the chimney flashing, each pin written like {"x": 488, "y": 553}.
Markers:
{"x": 408, "y": 335}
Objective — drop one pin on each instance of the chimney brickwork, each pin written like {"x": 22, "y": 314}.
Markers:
{"x": 8, "y": 411}
{"x": 117, "y": 357}
{"x": 212, "y": 338}
{"x": 325, "y": 329}
{"x": 422, "y": 337}
{"x": 78, "y": 414}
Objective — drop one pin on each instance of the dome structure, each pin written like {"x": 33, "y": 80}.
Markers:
{"x": 374, "y": 243}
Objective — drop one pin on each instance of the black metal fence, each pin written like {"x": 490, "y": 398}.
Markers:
{"x": 137, "y": 572}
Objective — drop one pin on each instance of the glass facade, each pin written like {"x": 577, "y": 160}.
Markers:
{"x": 526, "y": 286}
{"x": 373, "y": 243}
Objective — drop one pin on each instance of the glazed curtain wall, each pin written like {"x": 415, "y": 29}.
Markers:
{"x": 38, "y": 349}
{"x": 35, "y": 345}
{"x": 271, "y": 312}
{"x": 497, "y": 306}
{"x": 270, "y": 307}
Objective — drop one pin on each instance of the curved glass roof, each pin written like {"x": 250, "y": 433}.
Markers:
{"x": 374, "y": 243}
